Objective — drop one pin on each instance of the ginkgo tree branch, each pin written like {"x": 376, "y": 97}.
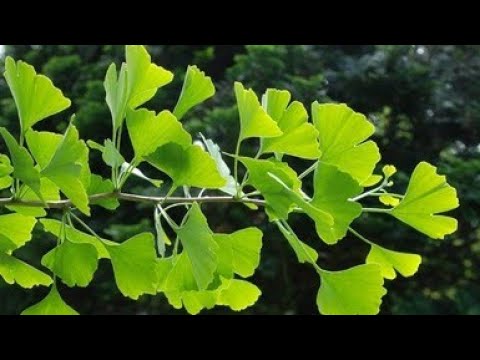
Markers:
{"x": 62, "y": 204}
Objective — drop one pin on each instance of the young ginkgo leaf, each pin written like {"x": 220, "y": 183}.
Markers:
{"x": 299, "y": 137}
{"x": 238, "y": 294}
{"x": 15, "y": 271}
{"x": 149, "y": 131}
{"x": 332, "y": 191}
{"x": 201, "y": 248}
{"x": 343, "y": 134}
{"x": 197, "y": 88}
{"x": 35, "y": 95}
{"x": 24, "y": 169}
{"x": 98, "y": 185}
{"x": 356, "y": 291}
{"x": 305, "y": 253}
{"x": 52, "y": 304}
{"x": 389, "y": 200}
{"x": 5, "y": 166}
{"x": 389, "y": 261}
{"x": 15, "y": 231}
{"x": 187, "y": 167}
{"x": 74, "y": 263}
{"x": 428, "y": 194}
{"x": 254, "y": 120}
{"x": 134, "y": 265}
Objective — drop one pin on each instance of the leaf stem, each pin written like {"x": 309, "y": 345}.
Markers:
{"x": 235, "y": 167}
{"x": 85, "y": 226}
{"x": 375, "y": 210}
{"x": 308, "y": 171}
{"x": 360, "y": 236}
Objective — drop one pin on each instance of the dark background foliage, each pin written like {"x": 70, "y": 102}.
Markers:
{"x": 424, "y": 100}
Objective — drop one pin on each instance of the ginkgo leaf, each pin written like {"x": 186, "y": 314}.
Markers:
{"x": 428, "y": 194}
{"x": 52, "y": 304}
{"x": 6, "y": 182}
{"x": 305, "y": 253}
{"x": 134, "y": 265}
{"x": 98, "y": 185}
{"x": 372, "y": 181}
{"x": 35, "y": 95}
{"x": 389, "y": 200}
{"x": 238, "y": 294}
{"x": 42, "y": 145}
{"x": 76, "y": 236}
{"x": 189, "y": 166}
{"x": 356, "y": 291}
{"x": 116, "y": 90}
{"x": 332, "y": 191}
{"x": 6, "y": 167}
{"x": 15, "y": 271}
{"x": 389, "y": 261}
{"x": 15, "y": 231}
{"x": 214, "y": 150}
{"x": 49, "y": 191}
{"x": 65, "y": 169}
{"x": 198, "y": 242}
{"x": 343, "y": 134}
{"x": 299, "y": 137}
{"x": 110, "y": 155}
{"x": 278, "y": 204}
{"x": 245, "y": 247}
{"x": 197, "y": 88}
{"x": 24, "y": 169}
{"x": 162, "y": 239}
{"x": 149, "y": 131}
{"x": 254, "y": 120}
{"x": 74, "y": 263}
{"x": 144, "y": 78}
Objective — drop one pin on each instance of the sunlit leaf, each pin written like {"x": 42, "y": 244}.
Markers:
{"x": 197, "y": 88}
{"x": 343, "y": 134}
{"x": 15, "y": 231}
{"x": 305, "y": 253}
{"x": 53, "y": 304}
{"x": 15, "y": 271}
{"x": 428, "y": 194}
{"x": 406, "y": 264}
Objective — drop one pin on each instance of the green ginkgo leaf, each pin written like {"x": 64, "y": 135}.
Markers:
{"x": 305, "y": 253}
{"x": 110, "y": 155}
{"x": 238, "y": 294}
{"x": 199, "y": 245}
{"x": 245, "y": 247}
{"x": 6, "y": 182}
{"x": 299, "y": 137}
{"x": 74, "y": 263}
{"x": 54, "y": 227}
{"x": 144, "y": 78}
{"x": 15, "y": 271}
{"x": 149, "y": 131}
{"x": 343, "y": 134}
{"x": 389, "y": 261}
{"x": 35, "y": 95}
{"x": 116, "y": 89}
{"x": 356, "y": 291}
{"x": 67, "y": 169}
{"x": 52, "y": 304}
{"x": 254, "y": 120}
{"x": 332, "y": 191}
{"x": 15, "y": 231}
{"x": 428, "y": 194}
{"x": 197, "y": 88}
{"x": 24, "y": 169}
{"x": 389, "y": 200}
{"x": 190, "y": 166}
{"x": 134, "y": 265}
{"x": 43, "y": 145}
{"x": 6, "y": 167}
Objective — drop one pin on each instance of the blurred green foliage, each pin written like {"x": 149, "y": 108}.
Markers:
{"x": 424, "y": 100}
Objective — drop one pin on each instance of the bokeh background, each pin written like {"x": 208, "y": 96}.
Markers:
{"x": 423, "y": 99}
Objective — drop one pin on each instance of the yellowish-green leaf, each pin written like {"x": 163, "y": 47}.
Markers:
{"x": 389, "y": 200}
{"x": 149, "y": 131}
{"x": 98, "y": 185}
{"x": 254, "y": 120}
{"x": 356, "y": 291}
{"x": 333, "y": 189}
{"x": 65, "y": 169}
{"x": 238, "y": 294}
{"x": 343, "y": 134}
{"x": 428, "y": 194}
{"x": 15, "y": 271}
{"x": 389, "y": 261}
{"x": 74, "y": 263}
{"x": 15, "y": 231}
{"x": 5, "y": 166}
{"x": 305, "y": 253}
{"x": 299, "y": 137}
{"x": 35, "y": 95}
{"x": 372, "y": 181}
{"x": 389, "y": 171}
{"x": 24, "y": 169}
{"x": 134, "y": 265}
{"x": 52, "y": 304}
{"x": 49, "y": 191}
{"x": 200, "y": 246}
{"x": 190, "y": 166}
{"x": 197, "y": 88}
